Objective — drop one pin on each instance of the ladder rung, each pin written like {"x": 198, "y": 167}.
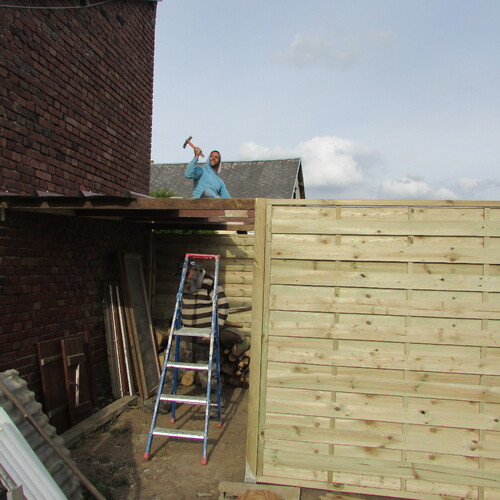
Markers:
{"x": 192, "y": 400}
{"x": 193, "y": 332}
{"x": 180, "y": 433}
{"x": 187, "y": 366}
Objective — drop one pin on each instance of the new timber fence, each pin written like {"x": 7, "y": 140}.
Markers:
{"x": 377, "y": 329}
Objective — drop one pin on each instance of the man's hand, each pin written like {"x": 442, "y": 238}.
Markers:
{"x": 197, "y": 152}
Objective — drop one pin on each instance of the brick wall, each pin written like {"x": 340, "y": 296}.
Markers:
{"x": 52, "y": 272}
{"x": 76, "y": 96}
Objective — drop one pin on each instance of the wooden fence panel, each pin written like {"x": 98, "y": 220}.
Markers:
{"x": 378, "y": 332}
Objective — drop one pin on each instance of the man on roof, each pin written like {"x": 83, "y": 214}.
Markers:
{"x": 206, "y": 180}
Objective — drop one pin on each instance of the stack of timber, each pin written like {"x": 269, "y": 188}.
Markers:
{"x": 235, "y": 363}
{"x": 234, "y": 357}
{"x": 129, "y": 332}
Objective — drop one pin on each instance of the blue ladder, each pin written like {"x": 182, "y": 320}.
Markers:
{"x": 177, "y": 331}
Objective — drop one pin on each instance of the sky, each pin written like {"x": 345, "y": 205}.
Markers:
{"x": 381, "y": 99}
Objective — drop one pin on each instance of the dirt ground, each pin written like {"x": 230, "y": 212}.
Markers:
{"x": 112, "y": 456}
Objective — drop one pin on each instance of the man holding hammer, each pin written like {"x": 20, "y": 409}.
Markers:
{"x": 206, "y": 181}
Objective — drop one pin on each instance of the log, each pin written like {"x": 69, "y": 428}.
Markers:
{"x": 227, "y": 368}
{"x": 240, "y": 348}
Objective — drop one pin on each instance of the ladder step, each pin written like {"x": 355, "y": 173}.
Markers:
{"x": 187, "y": 366}
{"x": 180, "y": 433}
{"x": 192, "y": 400}
{"x": 193, "y": 332}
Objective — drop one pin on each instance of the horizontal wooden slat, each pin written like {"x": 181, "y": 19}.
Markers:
{"x": 385, "y": 356}
{"x": 297, "y": 402}
{"x": 416, "y": 205}
{"x": 292, "y": 456}
{"x": 325, "y": 221}
{"x": 376, "y": 275}
{"x": 388, "y": 249}
{"x": 323, "y": 325}
{"x": 323, "y": 299}
{"x": 321, "y": 377}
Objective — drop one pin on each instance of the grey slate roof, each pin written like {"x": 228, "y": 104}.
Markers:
{"x": 277, "y": 179}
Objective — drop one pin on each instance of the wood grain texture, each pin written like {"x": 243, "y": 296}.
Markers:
{"x": 381, "y": 348}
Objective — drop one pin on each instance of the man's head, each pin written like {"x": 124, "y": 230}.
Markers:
{"x": 214, "y": 160}
{"x": 194, "y": 277}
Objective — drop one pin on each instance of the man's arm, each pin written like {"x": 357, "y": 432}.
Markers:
{"x": 192, "y": 170}
{"x": 224, "y": 193}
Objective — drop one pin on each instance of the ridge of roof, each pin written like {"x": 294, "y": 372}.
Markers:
{"x": 298, "y": 158}
{"x": 272, "y": 179}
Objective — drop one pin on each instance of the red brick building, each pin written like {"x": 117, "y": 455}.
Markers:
{"x": 75, "y": 116}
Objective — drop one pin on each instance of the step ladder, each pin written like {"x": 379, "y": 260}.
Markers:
{"x": 177, "y": 331}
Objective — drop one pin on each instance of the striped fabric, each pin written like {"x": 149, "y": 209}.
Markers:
{"x": 197, "y": 307}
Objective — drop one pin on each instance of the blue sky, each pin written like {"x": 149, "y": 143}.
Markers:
{"x": 382, "y": 99}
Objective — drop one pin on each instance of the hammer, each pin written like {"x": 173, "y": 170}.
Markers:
{"x": 188, "y": 141}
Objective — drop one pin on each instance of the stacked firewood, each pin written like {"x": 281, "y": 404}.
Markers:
{"x": 234, "y": 357}
{"x": 235, "y": 363}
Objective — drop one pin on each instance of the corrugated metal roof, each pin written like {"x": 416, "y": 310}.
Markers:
{"x": 274, "y": 179}
{"x": 23, "y": 465}
{"x": 61, "y": 473}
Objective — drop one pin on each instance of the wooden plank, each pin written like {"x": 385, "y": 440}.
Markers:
{"x": 323, "y": 299}
{"x": 373, "y": 275}
{"x": 422, "y": 412}
{"x": 55, "y": 401}
{"x": 98, "y": 419}
{"x": 324, "y": 220}
{"x": 322, "y": 325}
{"x": 442, "y": 488}
{"x": 142, "y": 339}
{"x": 350, "y": 489}
{"x": 388, "y": 249}
{"x": 293, "y": 456}
{"x": 320, "y": 352}
{"x": 320, "y": 378}
{"x": 254, "y": 443}
{"x": 416, "y": 438}
{"x": 414, "y": 205}
{"x": 76, "y": 377}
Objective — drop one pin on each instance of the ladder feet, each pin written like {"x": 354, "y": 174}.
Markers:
{"x": 204, "y": 461}
{"x": 172, "y": 420}
{"x": 146, "y": 456}
{"x": 219, "y": 424}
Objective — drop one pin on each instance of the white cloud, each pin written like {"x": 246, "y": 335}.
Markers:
{"x": 412, "y": 188}
{"x": 405, "y": 188}
{"x": 445, "y": 194}
{"x": 476, "y": 189}
{"x": 333, "y": 52}
{"x": 335, "y": 167}
{"x": 330, "y": 161}
{"x": 309, "y": 50}
{"x": 252, "y": 151}
{"x": 327, "y": 161}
